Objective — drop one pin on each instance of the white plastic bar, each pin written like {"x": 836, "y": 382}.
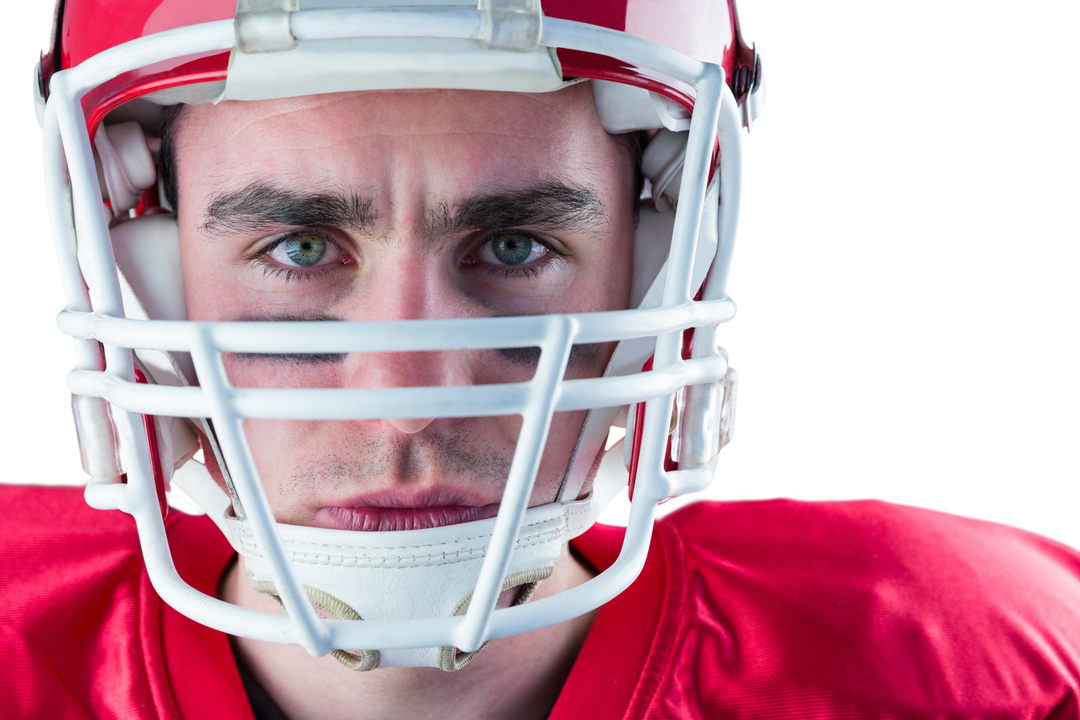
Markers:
{"x": 62, "y": 219}
{"x": 699, "y": 146}
{"x": 532, "y": 439}
{"x": 730, "y": 128}
{"x": 60, "y": 212}
{"x": 391, "y": 403}
{"x": 228, "y": 425}
{"x": 594, "y": 593}
{"x": 67, "y": 89}
{"x": 135, "y": 397}
{"x": 623, "y": 46}
{"x": 104, "y": 493}
{"x": 204, "y": 37}
{"x": 403, "y": 336}
{"x": 468, "y": 23}
{"x": 91, "y": 230}
{"x": 677, "y": 289}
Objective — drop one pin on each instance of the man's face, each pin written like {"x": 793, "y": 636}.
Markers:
{"x": 396, "y": 206}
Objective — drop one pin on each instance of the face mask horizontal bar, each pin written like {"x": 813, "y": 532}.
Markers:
{"x": 396, "y": 336}
{"x": 399, "y": 402}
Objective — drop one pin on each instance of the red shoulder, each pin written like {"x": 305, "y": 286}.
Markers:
{"x": 820, "y": 610}
{"x": 83, "y": 629}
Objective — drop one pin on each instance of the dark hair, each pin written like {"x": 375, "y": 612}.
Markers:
{"x": 166, "y": 130}
{"x": 634, "y": 142}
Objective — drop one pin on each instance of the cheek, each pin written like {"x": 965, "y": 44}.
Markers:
{"x": 207, "y": 288}
{"x": 560, "y": 443}
{"x": 256, "y": 372}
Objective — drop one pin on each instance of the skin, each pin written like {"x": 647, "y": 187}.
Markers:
{"x": 412, "y": 159}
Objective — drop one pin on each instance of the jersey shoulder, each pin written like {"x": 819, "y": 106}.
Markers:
{"x": 84, "y": 632}
{"x": 842, "y": 609}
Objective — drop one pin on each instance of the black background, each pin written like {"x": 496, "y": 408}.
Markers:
{"x": 888, "y": 341}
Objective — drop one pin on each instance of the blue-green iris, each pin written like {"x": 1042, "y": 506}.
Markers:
{"x": 511, "y": 248}
{"x": 305, "y": 249}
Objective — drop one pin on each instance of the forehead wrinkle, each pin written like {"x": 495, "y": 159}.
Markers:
{"x": 288, "y": 110}
{"x": 293, "y": 107}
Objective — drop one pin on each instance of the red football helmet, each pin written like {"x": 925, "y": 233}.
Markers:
{"x": 147, "y": 380}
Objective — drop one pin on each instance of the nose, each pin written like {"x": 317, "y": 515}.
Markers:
{"x": 406, "y": 285}
{"x": 410, "y": 426}
{"x": 409, "y": 369}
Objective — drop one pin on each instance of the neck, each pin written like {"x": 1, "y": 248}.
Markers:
{"x": 515, "y": 677}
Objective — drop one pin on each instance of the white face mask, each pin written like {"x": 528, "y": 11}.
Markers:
{"x": 414, "y": 608}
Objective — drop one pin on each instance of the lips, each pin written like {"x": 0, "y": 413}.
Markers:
{"x": 395, "y": 511}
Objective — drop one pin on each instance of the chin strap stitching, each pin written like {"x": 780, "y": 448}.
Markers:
{"x": 361, "y": 661}
{"x": 450, "y": 658}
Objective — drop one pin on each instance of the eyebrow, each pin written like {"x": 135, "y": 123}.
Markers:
{"x": 549, "y": 205}
{"x": 260, "y": 206}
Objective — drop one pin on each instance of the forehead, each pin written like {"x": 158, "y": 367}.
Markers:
{"x": 473, "y": 137}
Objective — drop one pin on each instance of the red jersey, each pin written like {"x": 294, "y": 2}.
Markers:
{"x": 775, "y": 609}
{"x": 783, "y": 609}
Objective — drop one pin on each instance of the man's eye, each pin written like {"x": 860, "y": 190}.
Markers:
{"x": 511, "y": 248}
{"x": 300, "y": 251}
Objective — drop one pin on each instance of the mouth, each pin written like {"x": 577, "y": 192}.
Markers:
{"x": 394, "y": 511}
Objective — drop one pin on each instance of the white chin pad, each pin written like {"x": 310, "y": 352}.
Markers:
{"x": 409, "y": 574}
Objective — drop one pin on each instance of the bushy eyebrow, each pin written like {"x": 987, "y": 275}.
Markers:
{"x": 549, "y": 205}
{"x": 259, "y": 207}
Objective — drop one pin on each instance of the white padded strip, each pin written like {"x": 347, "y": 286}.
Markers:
{"x": 431, "y": 571}
{"x": 325, "y": 66}
{"x": 147, "y": 251}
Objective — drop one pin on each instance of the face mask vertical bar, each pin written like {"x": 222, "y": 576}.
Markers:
{"x": 90, "y": 228}
{"x": 61, "y": 216}
{"x": 229, "y": 425}
{"x": 67, "y": 88}
{"x": 677, "y": 290}
{"x": 695, "y": 178}
{"x": 730, "y": 127}
{"x": 554, "y": 355}
{"x": 651, "y": 484}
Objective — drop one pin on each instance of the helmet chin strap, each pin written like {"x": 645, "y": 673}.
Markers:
{"x": 410, "y": 574}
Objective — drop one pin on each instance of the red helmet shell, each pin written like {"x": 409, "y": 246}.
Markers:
{"x": 705, "y": 29}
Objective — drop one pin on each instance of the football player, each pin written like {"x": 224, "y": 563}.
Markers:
{"x": 371, "y": 285}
